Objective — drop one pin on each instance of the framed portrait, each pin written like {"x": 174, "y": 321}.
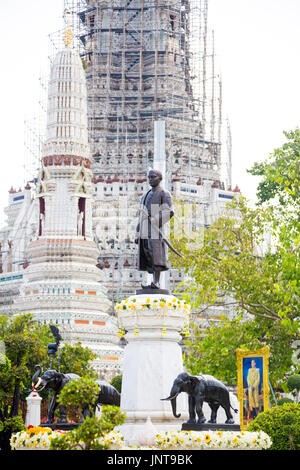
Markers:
{"x": 253, "y": 383}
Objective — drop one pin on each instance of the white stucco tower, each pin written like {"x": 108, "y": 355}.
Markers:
{"x": 62, "y": 283}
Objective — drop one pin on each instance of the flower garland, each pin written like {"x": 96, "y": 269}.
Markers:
{"x": 153, "y": 304}
{"x": 37, "y": 437}
{"x": 161, "y": 304}
{"x": 201, "y": 440}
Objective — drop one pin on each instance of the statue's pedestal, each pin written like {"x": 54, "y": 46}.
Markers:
{"x": 33, "y": 414}
{"x": 152, "y": 360}
{"x": 210, "y": 427}
{"x": 61, "y": 426}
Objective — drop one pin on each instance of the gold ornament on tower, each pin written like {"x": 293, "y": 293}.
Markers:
{"x": 68, "y": 37}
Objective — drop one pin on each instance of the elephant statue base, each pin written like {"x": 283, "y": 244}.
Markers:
{"x": 210, "y": 427}
{"x": 60, "y": 426}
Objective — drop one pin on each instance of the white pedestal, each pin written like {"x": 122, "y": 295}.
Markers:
{"x": 152, "y": 360}
{"x": 33, "y": 413}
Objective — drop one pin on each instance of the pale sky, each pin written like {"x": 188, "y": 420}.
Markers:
{"x": 257, "y": 43}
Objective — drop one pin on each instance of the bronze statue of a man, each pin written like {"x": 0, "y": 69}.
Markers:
{"x": 156, "y": 209}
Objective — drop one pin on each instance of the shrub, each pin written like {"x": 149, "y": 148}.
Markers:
{"x": 117, "y": 383}
{"x": 78, "y": 394}
{"x": 282, "y": 424}
{"x": 5, "y": 363}
{"x": 284, "y": 400}
{"x": 293, "y": 384}
{"x": 14, "y": 424}
{"x": 91, "y": 434}
{"x": 7, "y": 427}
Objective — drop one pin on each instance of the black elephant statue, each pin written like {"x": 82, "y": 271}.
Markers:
{"x": 201, "y": 389}
{"x": 55, "y": 381}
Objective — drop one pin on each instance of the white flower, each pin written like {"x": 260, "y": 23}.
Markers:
{"x": 38, "y": 438}
{"x": 113, "y": 438}
{"x": 213, "y": 440}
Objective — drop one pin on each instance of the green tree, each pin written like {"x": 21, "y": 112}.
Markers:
{"x": 230, "y": 260}
{"x": 213, "y": 351}
{"x": 23, "y": 341}
{"x": 279, "y": 190}
{"x": 280, "y": 176}
{"x": 26, "y": 345}
{"x": 230, "y": 263}
{"x": 77, "y": 359}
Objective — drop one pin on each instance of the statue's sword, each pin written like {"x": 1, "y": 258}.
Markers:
{"x": 162, "y": 236}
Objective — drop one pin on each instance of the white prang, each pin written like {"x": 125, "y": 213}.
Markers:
{"x": 67, "y": 123}
{"x": 62, "y": 283}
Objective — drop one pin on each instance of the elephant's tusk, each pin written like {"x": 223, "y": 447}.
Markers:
{"x": 35, "y": 387}
{"x": 170, "y": 398}
{"x": 36, "y": 390}
{"x": 37, "y": 384}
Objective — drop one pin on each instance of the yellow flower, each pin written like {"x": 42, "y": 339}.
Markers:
{"x": 169, "y": 304}
{"x": 162, "y": 304}
{"x": 148, "y": 300}
{"x": 207, "y": 438}
{"x": 254, "y": 441}
{"x": 235, "y": 440}
{"x": 219, "y": 433}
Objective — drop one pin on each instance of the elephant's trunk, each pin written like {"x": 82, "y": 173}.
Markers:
{"x": 172, "y": 399}
{"x": 173, "y": 403}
